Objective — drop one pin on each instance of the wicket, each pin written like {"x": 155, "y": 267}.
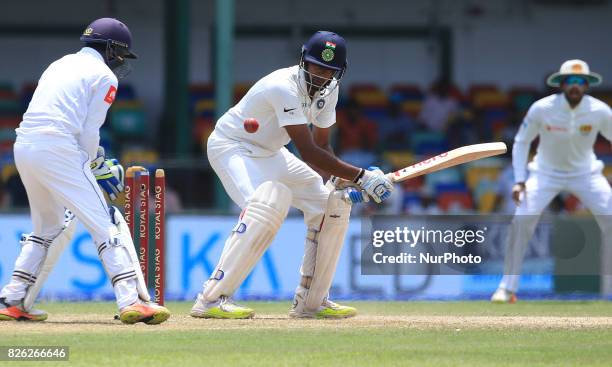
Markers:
{"x": 137, "y": 188}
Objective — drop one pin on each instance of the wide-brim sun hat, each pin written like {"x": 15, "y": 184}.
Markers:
{"x": 574, "y": 67}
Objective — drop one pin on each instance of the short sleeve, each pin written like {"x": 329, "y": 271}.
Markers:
{"x": 327, "y": 117}
{"x": 103, "y": 96}
{"x": 287, "y": 106}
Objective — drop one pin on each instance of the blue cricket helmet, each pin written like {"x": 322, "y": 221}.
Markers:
{"x": 111, "y": 32}
{"x": 326, "y": 49}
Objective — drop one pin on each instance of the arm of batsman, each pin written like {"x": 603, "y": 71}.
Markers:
{"x": 109, "y": 174}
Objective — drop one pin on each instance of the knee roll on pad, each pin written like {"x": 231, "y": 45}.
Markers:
{"x": 250, "y": 238}
{"x": 328, "y": 247}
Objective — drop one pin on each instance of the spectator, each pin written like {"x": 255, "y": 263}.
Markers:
{"x": 464, "y": 129}
{"x": 394, "y": 129}
{"x": 439, "y": 106}
{"x": 357, "y": 136}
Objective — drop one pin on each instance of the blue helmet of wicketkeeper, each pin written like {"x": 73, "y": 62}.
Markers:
{"x": 113, "y": 40}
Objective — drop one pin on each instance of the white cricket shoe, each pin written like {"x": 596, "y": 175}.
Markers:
{"x": 327, "y": 310}
{"x": 502, "y": 295}
{"x": 222, "y": 308}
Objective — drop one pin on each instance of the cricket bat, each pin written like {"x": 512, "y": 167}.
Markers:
{"x": 452, "y": 158}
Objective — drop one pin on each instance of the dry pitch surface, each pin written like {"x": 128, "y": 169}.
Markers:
{"x": 93, "y": 322}
{"x": 97, "y": 317}
{"x": 385, "y": 333}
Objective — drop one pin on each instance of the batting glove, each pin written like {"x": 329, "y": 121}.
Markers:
{"x": 375, "y": 183}
{"x": 354, "y": 195}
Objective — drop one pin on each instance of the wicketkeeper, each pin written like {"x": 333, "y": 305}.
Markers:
{"x": 59, "y": 162}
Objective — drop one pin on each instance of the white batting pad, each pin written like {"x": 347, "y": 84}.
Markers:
{"x": 249, "y": 239}
{"x": 329, "y": 245}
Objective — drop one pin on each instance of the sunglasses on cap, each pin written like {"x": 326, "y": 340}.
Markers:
{"x": 575, "y": 80}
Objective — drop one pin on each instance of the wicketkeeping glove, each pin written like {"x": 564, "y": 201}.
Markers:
{"x": 109, "y": 174}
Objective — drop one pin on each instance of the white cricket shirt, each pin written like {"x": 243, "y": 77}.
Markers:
{"x": 566, "y": 136}
{"x": 275, "y": 101}
{"x": 71, "y": 101}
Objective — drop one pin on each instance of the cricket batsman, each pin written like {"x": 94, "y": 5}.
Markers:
{"x": 59, "y": 161}
{"x": 246, "y": 150}
{"x": 567, "y": 125}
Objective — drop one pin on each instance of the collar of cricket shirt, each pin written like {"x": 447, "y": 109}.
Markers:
{"x": 566, "y": 106}
{"x": 92, "y": 52}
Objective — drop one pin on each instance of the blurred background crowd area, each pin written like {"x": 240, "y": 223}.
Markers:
{"x": 424, "y": 77}
{"x": 386, "y": 127}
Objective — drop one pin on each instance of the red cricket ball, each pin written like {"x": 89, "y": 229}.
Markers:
{"x": 251, "y": 125}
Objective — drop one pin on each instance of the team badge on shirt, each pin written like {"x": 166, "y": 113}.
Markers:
{"x": 586, "y": 129}
{"x": 110, "y": 95}
{"x": 320, "y": 103}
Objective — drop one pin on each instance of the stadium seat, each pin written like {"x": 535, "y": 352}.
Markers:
{"x": 127, "y": 119}
{"x": 240, "y": 90}
{"x": 139, "y": 156}
{"x": 202, "y": 100}
{"x": 399, "y": 159}
{"x": 486, "y": 202}
{"x": 453, "y": 200}
{"x": 202, "y": 128}
{"x": 523, "y": 97}
{"x": 428, "y": 143}
{"x": 474, "y": 175}
{"x": 603, "y": 94}
{"x": 125, "y": 92}
{"x": 602, "y": 147}
{"x": 449, "y": 176}
{"x": 410, "y": 199}
{"x": 27, "y": 91}
{"x": 450, "y": 187}
{"x": 369, "y": 96}
{"x": 9, "y": 122}
{"x": 607, "y": 172}
{"x": 409, "y": 96}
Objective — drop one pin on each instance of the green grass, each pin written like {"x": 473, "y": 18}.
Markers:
{"x": 331, "y": 345}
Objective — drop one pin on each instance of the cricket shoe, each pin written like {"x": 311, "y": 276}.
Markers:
{"x": 14, "y": 312}
{"x": 327, "y": 310}
{"x": 502, "y": 295}
{"x": 149, "y": 313}
{"x": 222, "y": 308}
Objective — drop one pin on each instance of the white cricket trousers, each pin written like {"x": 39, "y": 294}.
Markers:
{"x": 241, "y": 174}
{"x": 593, "y": 190}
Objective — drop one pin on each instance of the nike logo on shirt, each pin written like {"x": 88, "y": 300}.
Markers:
{"x": 289, "y": 109}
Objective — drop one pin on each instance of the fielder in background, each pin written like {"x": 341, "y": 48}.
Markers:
{"x": 567, "y": 124}
{"x": 58, "y": 159}
{"x": 247, "y": 152}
